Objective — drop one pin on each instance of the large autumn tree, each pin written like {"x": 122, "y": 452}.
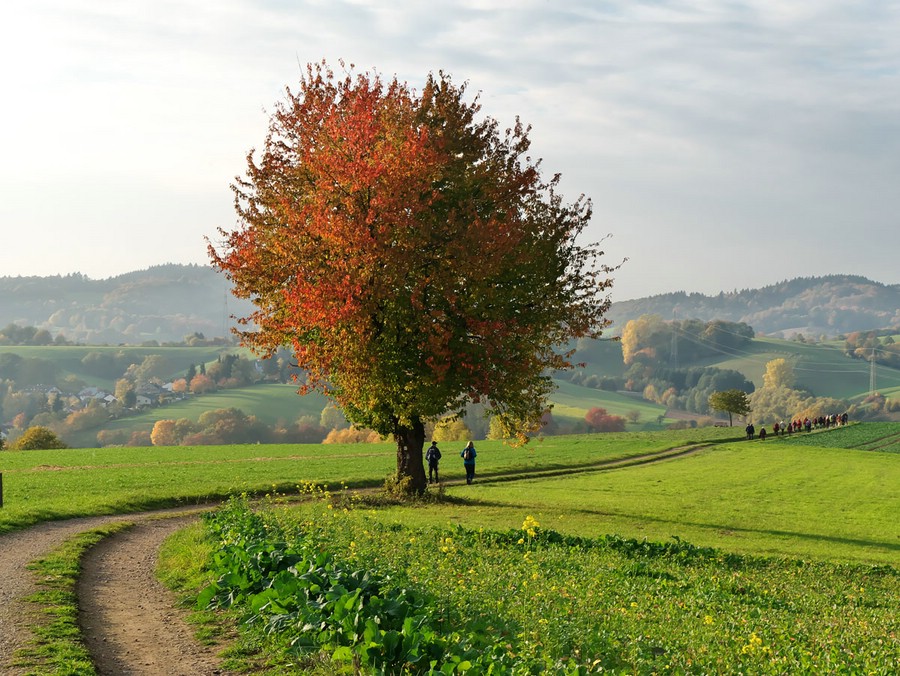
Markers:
{"x": 411, "y": 255}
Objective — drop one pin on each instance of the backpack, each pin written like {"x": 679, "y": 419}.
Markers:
{"x": 467, "y": 454}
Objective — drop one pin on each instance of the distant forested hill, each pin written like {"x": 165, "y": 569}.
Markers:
{"x": 813, "y": 306}
{"x": 165, "y": 303}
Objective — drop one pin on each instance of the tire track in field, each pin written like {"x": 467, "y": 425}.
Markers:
{"x": 182, "y": 463}
{"x": 889, "y": 440}
{"x": 602, "y": 465}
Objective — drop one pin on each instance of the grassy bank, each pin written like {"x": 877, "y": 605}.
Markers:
{"x": 389, "y": 597}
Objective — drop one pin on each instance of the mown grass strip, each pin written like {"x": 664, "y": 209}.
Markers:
{"x": 57, "y": 648}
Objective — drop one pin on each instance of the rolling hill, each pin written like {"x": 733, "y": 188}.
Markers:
{"x": 152, "y": 311}
{"x": 164, "y": 303}
{"x": 812, "y": 306}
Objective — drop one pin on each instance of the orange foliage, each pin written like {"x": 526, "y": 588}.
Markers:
{"x": 410, "y": 254}
{"x": 202, "y": 383}
{"x": 351, "y": 435}
{"x": 601, "y": 421}
{"x": 163, "y": 433}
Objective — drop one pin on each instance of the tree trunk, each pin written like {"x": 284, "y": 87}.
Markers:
{"x": 410, "y": 441}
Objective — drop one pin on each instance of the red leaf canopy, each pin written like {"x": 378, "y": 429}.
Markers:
{"x": 410, "y": 254}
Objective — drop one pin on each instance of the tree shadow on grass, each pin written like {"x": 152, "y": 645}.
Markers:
{"x": 719, "y": 529}
{"x": 550, "y": 470}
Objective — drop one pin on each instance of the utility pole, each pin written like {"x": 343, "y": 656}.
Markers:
{"x": 872, "y": 372}
{"x": 673, "y": 351}
{"x": 225, "y": 316}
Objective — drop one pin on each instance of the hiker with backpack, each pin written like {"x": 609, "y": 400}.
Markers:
{"x": 468, "y": 455}
{"x": 433, "y": 455}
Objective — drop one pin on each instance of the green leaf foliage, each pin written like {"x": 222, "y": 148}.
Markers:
{"x": 531, "y": 600}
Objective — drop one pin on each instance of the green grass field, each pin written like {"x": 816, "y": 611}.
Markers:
{"x": 740, "y": 556}
{"x": 789, "y": 498}
{"x": 269, "y": 402}
{"x": 528, "y": 600}
{"x": 880, "y": 436}
{"x": 572, "y": 401}
{"x": 823, "y": 368}
{"x": 748, "y": 498}
{"x": 68, "y": 358}
{"x": 41, "y": 485}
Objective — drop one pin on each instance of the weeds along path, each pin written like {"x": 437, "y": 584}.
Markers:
{"x": 19, "y": 548}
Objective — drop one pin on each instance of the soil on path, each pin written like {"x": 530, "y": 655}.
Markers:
{"x": 130, "y": 621}
{"x": 17, "y": 550}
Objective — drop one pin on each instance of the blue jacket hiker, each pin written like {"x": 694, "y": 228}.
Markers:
{"x": 468, "y": 455}
{"x": 433, "y": 455}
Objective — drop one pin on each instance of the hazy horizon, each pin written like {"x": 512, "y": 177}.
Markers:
{"x": 724, "y": 146}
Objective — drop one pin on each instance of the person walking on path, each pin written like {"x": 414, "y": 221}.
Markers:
{"x": 433, "y": 456}
{"x": 468, "y": 455}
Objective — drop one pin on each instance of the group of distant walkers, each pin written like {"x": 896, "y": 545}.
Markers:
{"x": 808, "y": 424}
{"x": 433, "y": 456}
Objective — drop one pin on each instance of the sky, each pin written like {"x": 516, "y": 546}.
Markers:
{"x": 725, "y": 145}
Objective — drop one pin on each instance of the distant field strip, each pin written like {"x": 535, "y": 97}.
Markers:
{"x": 875, "y": 436}
{"x": 887, "y": 444}
{"x": 179, "y": 463}
{"x": 600, "y": 465}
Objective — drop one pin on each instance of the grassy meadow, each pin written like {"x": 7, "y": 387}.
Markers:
{"x": 67, "y": 358}
{"x": 572, "y": 402}
{"x": 776, "y": 556}
{"x": 804, "y": 496}
{"x": 270, "y": 403}
{"x": 41, "y": 485}
{"x": 373, "y": 597}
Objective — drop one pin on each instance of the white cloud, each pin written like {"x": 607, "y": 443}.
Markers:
{"x": 710, "y": 135}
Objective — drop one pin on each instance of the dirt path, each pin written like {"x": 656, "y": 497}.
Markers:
{"x": 124, "y": 595}
{"x": 17, "y": 550}
{"x": 129, "y": 620}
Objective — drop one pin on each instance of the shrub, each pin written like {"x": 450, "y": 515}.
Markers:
{"x": 351, "y": 436}
{"x": 112, "y": 437}
{"x": 38, "y": 438}
{"x": 601, "y": 421}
